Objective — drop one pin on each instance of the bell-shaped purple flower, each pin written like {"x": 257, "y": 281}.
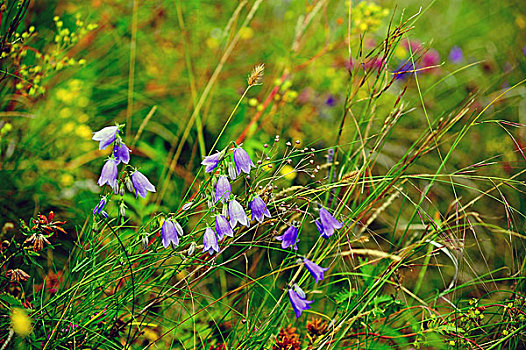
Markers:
{"x": 105, "y": 136}
{"x": 210, "y": 241}
{"x": 212, "y": 161}
{"x": 243, "y": 161}
{"x": 315, "y": 270}
{"x": 122, "y": 153}
{"x": 298, "y": 301}
{"x": 141, "y": 184}
{"x": 223, "y": 189}
{"x": 99, "y": 206}
{"x": 289, "y": 238}
{"x": 108, "y": 174}
{"x": 237, "y": 214}
{"x": 171, "y": 231}
{"x": 259, "y": 209}
{"x": 327, "y": 223}
{"x": 223, "y": 227}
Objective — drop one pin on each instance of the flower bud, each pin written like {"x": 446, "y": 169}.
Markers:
{"x": 144, "y": 241}
{"x": 191, "y": 250}
{"x": 122, "y": 190}
{"x": 122, "y": 209}
{"x": 232, "y": 172}
{"x": 129, "y": 184}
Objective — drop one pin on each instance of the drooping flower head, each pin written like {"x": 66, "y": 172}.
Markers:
{"x": 210, "y": 241}
{"x": 108, "y": 174}
{"x": 223, "y": 189}
{"x": 289, "y": 238}
{"x": 99, "y": 206}
{"x": 171, "y": 231}
{"x": 223, "y": 227}
{"x": 121, "y": 153}
{"x": 298, "y": 300}
{"x": 327, "y": 223}
{"x": 169, "y": 234}
{"x": 212, "y": 161}
{"x": 105, "y": 136}
{"x": 141, "y": 184}
{"x": 315, "y": 270}
{"x": 237, "y": 214}
{"x": 243, "y": 161}
{"x": 259, "y": 209}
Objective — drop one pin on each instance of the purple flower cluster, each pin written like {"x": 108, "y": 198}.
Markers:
{"x": 326, "y": 225}
{"x": 225, "y": 167}
{"x": 223, "y": 194}
{"x": 136, "y": 182}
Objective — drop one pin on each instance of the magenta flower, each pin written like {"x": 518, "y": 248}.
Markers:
{"x": 430, "y": 58}
{"x": 315, "y": 270}
{"x": 327, "y": 223}
{"x": 210, "y": 241}
{"x": 243, "y": 161}
{"x": 105, "y": 136}
{"x": 223, "y": 189}
{"x": 259, "y": 209}
{"x": 108, "y": 174}
{"x": 289, "y": 238}
{"x": 298, "y": 300}
{"x": 223, "y": 227}
{"x": 212, "y": 161}
{"x": 171, "y": 231}
{"x": 141, "y": 184}
{"x": 237, "y": 214}
{"x": 122, "y": 153}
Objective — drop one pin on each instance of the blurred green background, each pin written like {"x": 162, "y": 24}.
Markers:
{"x": 131, "y": 58}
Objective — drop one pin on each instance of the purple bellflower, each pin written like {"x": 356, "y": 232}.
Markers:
{"x": 210, "y": 241}
{"x": 298, "y": 300}
{"x": 223, "y": 227}
{"x": 259, "y": 209}
{"x": 243, "y": 161}
{"x": 223, "y": 189}
{"x": 171, "y": 231}
{"x": 141, "y": 184}
{"x": 237, "y": 214}
{"x": 456, "y": 55}
{"x": 289, "y": 238}
{"x": 122, "y": 153}
{"x": 315, "y": 270}
{"x": 327, "y": 223}
{"x": 99, "y": 206}
{"x": 105, "y": 136}
{"x": 108, "y": 174}
{"x": 212, "y": 161}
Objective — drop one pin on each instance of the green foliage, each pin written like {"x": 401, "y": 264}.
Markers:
{"x": 419, "y": 154}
